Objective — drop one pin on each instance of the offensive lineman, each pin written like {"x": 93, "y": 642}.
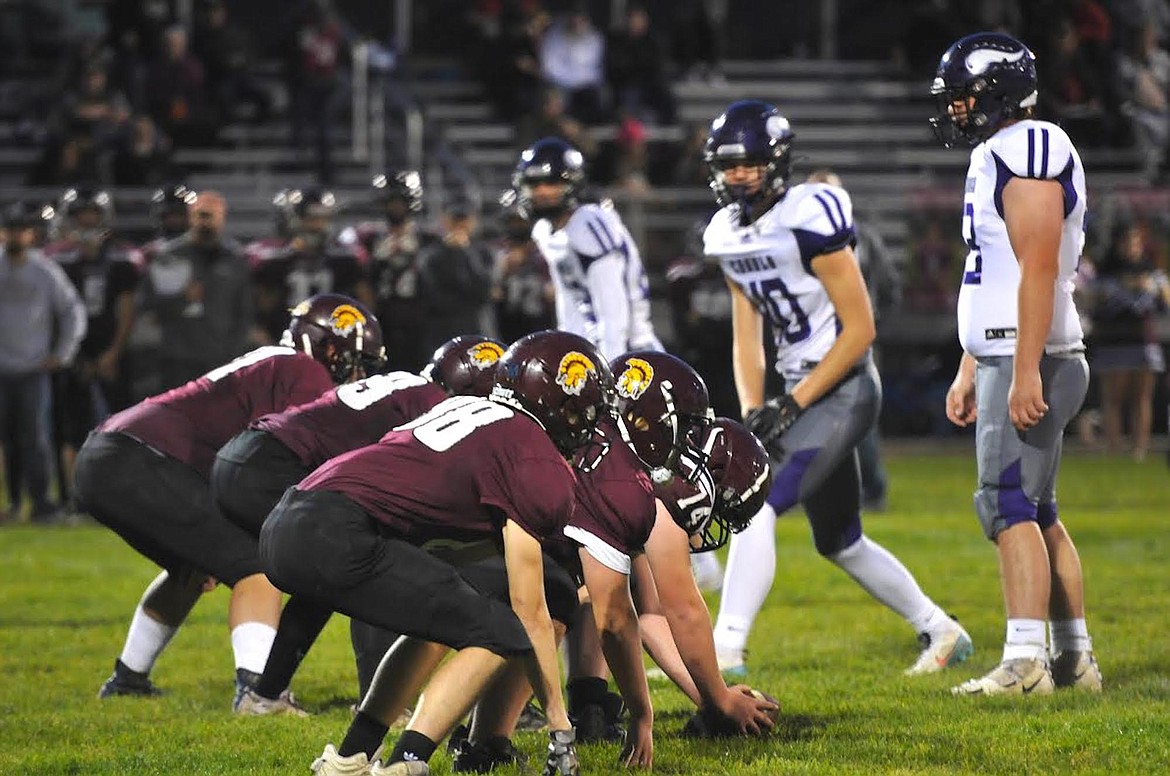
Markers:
{"x": 787, "y": 258}
{"x": 1023, "y": 375}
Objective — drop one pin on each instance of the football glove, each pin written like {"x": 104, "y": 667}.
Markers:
{"x": 771, "y": 420}
{"x": 562, "y": 757}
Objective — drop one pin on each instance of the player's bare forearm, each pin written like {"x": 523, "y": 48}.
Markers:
{"x": 659, "y": 643}
{"x": 1035, "y": 300}
{"x": 747, "y": 350}
{"x": 967, "y": 366}
{"x": 544, "y": 669}
{"x": 617, "y": 623}
{"x": 839, "y": 274}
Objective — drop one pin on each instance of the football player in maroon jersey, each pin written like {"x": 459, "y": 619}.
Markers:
{"x": 351, "y": 535}
{"x": 144, "y": 473}
{"x": 275, "y": 452}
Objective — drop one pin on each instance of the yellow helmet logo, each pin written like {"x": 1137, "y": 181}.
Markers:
{"x": 574, "y": 372}
{"x": 635, "y": 379}
{"x": 345, "y": 318}
{"x": 484, "y": 354}
{"x": 301, "y": 309}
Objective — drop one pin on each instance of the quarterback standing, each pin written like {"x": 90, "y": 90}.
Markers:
{"x": 1023, "y": 375}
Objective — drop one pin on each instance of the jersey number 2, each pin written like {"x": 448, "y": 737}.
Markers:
{"x": 454, "y": 419}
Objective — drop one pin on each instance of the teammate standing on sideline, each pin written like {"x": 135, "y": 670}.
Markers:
{"x": 787, "y": 257}
{"x": 1023, "y": 375}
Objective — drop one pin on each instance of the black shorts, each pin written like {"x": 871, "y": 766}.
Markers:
{"x": 250, "y": 474}
{"x": 490, "y": 577}
{"x": 323, "y": 545}
{"x": 161, "y": 507}
{"x": 79, "y": 404}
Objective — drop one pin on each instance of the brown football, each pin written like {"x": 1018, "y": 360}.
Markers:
{"x": 774, "y": 714}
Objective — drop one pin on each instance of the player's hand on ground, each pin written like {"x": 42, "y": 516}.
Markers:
{"x": 638, "y": 751}
{"x": 562, "y": 757}
{"x": 1026, "y": 404}
{"x": 750, "y": 715}
{"x": 961, "y": 401}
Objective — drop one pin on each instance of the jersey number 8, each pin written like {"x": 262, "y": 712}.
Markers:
{"x": 453, "y": 421}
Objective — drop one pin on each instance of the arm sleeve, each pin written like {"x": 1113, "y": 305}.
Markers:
{"x": 69, "y": 312}
{"x": 822, "y": 222}
{"x": 1041, "y": 152}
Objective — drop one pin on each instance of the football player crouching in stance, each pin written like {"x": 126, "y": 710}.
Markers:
{"x": 144, "y": 473}
{"x": 661, "y": 405}
{"x": 350, "y": 536}
{"x": 253, "y": 470}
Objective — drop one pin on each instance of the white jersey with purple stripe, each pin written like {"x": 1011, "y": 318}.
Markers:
{"x": 991, "y": 277}
{"x": 600, "y": 282}
{"x": 770, "y": 260}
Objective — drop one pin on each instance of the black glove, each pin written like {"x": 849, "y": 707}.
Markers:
{"x": 562, "y": 758}
{"x": 770, "y": 421}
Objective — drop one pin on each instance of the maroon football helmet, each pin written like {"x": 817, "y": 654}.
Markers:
{"x": 339, "y": 332}
{"x": 659, "y": 401}
{"x": 465, "y": 365}
{"x": 558, "y": 379}
{"x": 728, "y": 476}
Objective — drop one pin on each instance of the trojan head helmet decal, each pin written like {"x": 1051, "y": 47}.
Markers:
{"x": 635, "y": 378}
{"x": 574, "y": 371}
{"x": 484, "y": 355}
{"x": 344, "y": 319}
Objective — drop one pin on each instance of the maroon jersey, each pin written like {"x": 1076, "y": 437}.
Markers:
{"x": 690, "y": 500}
{"x": 457, "y": 471}
{"x": 191, "y": 422}
{"x": 351, "y": 416}
{"x": 615, "y": 502}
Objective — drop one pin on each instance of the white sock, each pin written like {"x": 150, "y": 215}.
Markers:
{"x": 885, "y": 578}
{"x": 1025, "y": 640}
{"x": 1070, "y": 635}
{"x": 251, "y": 643}
{"x": 145, "y": 641}
{"x": 751, "y": 565}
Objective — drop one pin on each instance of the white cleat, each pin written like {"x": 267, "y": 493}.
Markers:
{"x": 254, "y": 705}
{"x": 330, "y": 763}
{"x": 1011, "y": 677}
{"x": 1076, "y": 670}
{"x": 733, "y": 666}
{"x": 708, "y": 571}
{"x": 403, "y": 768}
{"x": 942, "y": 651}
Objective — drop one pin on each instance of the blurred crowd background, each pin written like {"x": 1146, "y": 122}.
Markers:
{"x": 195, "y": 167}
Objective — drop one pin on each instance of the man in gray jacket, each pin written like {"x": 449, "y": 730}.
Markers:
{"x": 42, "y": 323}
{"x": 199, "y": 289}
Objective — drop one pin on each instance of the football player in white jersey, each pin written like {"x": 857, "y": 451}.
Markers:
{"x": 1023, "y": 375}
{"x": 601, "y": 290}
{"x": 787, "y": 257}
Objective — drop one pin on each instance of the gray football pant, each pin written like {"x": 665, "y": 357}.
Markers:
{"x": 1017, "y": 469}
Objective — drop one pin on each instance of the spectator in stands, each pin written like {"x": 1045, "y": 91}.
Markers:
{"x": 143, "y": 157}
{"x": 551, "y": 121}
{"x": 1128, "y": 295}
{"x": 176, "y": 93}
{"x": 1072, "y": 89}
{"x": 42, "y": 323}
{"x": 572, "y": 57}
{"x": 316, "y": 82}
{"x": 522, "y": 289}
{"x": 455, "y": 278}
{"x": 632, "y": 177}
{"x": 1144, "y": 73}
{"x": 934, "y": 265}
{"x": 635, "y": 62}
{"x": 511, "y": 66}
{"x": 695, "y": 40}
{"x": 690, "y": 169}
{"x": 226, "y": 53}
{"x": 93, "y": 106}
{"x": 199, "y": 288}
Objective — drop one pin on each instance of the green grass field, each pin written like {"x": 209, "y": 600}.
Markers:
{"x": 832, "y": 656}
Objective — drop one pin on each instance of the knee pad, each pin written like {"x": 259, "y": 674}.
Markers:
{"x": 832, "y": 542}
{"x": 1002, "y": 504}
{"x": 1046, "y": 514}
{"x": 785, "y": 491}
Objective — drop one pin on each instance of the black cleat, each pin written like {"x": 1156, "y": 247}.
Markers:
{"x": 600, "y": 721}
{"x": 127, "y": 682}
{"x": 482, "y": 758}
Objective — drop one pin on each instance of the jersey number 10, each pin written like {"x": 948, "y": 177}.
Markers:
{"x": 782, "y": 308}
